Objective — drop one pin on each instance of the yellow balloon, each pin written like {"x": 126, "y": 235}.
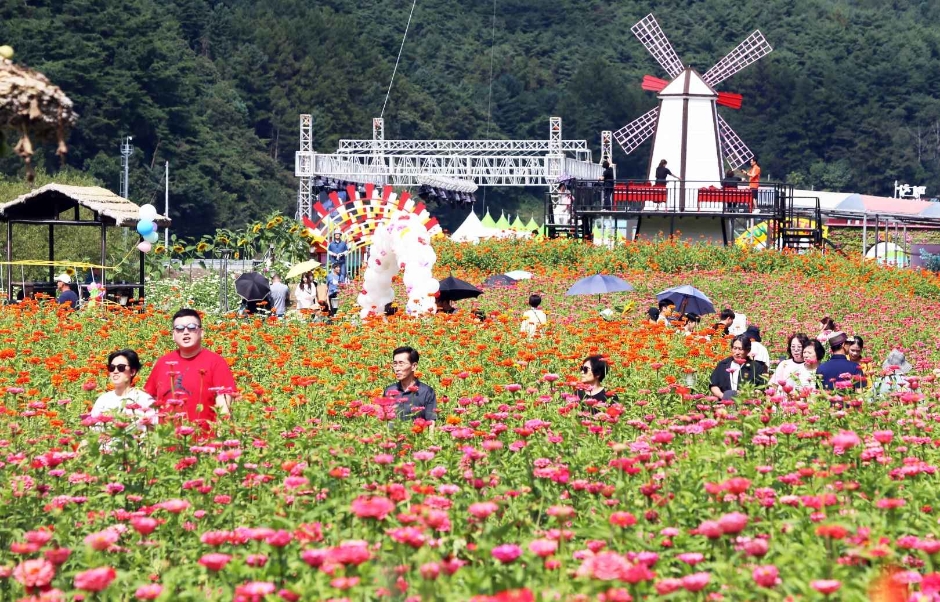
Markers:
{"x": 6, "y": 52}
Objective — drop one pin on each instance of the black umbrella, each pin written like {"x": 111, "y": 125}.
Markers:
{"x": 252, "y": 286}
{"x": 454, "y": 289}
{"x": 500, "y": 280}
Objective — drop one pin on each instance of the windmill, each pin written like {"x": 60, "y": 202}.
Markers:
{"x": 687, "y": 130}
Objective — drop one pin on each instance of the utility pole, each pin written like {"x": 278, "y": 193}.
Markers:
{"x": 166, "y": 205}
{"x": 126, "y": 151}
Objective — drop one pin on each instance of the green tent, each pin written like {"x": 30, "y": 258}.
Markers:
{"x": 532, "y": 225}
{"x": 488, "y": 221}
{"x": 517, "y": 225}
{"x": 502, "y": 223}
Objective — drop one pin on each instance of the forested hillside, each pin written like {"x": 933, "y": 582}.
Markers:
{"x": 848, "y": 99}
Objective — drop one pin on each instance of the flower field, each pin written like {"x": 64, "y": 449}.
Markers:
{"x": 519, "y": 493}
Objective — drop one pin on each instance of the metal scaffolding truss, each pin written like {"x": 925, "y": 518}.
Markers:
{"x": 463, "y": 147}
{"x": 412, "y": 162}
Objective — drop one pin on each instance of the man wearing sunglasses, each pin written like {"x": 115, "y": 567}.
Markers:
{"x": 191, "y": 380}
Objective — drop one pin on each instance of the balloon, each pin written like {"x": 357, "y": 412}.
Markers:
{"x": 152, "y": 237}
{"x": 148, "y": 212}
{"x": 399, "y": 244}
{"x": 145, "y": 227}
{"x": 144, "y": 247}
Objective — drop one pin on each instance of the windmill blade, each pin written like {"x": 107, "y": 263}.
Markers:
{"x": 651, "y": 35}
{"x": 750, "y": 50}
{"x": 637, "y": 131}
{"x": 736, "y": 153}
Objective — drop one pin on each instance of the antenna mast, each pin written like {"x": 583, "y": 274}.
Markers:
{"x": 126, "y": 151}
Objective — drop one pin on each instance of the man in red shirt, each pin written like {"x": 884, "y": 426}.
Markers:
{"x": 191, "y": 380}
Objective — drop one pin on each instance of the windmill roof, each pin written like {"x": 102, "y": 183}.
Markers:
{"x": 696, "y": 85}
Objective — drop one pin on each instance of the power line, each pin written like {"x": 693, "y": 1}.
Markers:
{"x": 395, "y": 70}
{"x": 489, "y": 103}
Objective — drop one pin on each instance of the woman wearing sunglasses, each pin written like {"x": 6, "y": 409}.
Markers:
{"x": 123, "y": 366}
{"x": 591, "y": 388}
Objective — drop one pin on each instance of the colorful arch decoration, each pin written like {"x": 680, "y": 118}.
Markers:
{"x": 359, "y": 215}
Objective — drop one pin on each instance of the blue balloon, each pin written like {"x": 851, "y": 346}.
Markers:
{"x": 145, "y": 227}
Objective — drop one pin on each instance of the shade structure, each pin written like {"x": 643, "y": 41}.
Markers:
{"x": 455, "y": 289}
{"x": 599, "y": 284}
{"x": 519, "y": 275}
{"x": 688, "y": 300}
{"x": 302, "y": 268}
{"x": 252, "y": 286}
{"x": 500, "y": 280}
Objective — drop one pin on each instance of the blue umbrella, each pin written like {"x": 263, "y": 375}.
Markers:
{"x": 688, "y": 300}
{"x": 599, "y": 284}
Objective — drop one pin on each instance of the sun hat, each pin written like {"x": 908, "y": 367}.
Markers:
{"x": 837, "y": 339}
{"x": 64, "y": 278}
{"x": 896, "y": 358}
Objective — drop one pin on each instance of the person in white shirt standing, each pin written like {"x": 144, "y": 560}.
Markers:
{"x": 533, "y": 318}
{"x": 123, "y": 366}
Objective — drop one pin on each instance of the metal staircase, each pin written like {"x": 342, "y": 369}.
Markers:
{"x": 800, "y": 230}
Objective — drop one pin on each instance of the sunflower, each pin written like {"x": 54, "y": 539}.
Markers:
{"x": 222, "y": 240}
{"x": 159, "y": 249}
{"x": 178, "y": 249}
{"x": 202, "y": 247}
{"x": 256, "y": 228}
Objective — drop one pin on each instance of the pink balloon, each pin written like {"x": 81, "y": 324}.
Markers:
{"x": 144, "y": 247}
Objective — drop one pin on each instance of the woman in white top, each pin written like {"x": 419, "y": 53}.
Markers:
{"x": 533, "y": 318}
{"x": 123, "y": 367}
{"x": 795, "y": 345}
{"x": 306, "y": 292}
{"x": 813, "y": 355}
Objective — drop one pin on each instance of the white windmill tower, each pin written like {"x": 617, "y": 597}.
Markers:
{"x": 687, "y": 130}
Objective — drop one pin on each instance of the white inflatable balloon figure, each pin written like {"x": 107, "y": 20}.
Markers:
{"x": 401, "y": 244}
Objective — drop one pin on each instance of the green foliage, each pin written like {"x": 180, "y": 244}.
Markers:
{"x": 215, "y": 88}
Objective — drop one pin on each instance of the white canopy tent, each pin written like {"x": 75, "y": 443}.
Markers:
{"x": 473, "y": 230}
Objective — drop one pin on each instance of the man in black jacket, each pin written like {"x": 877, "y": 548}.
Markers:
{"x": 736, "y": 370}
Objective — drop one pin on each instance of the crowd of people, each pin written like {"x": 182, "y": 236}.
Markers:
{"x": 832, "y": 360}
{"x": 195, "y": 383}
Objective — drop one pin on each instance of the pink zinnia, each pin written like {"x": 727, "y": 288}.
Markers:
{"x": 144, "y": 524}
{"x": 95, "y": 580}
{"x": 215, "y": 561}
{"x": 766, "y": 576}
{"x": 507, "y": 552}
{"x": 667, "y": 586}
{"x": 37, "y": 572}
{"x": 691, "y": 558}
{"x": 149, "y": 592}
{"x": 605, "y": 566}
{"x": 102, "y": 540}
{"x": 696, "y": 581}
{"x": 845, "y": 440}
{"x": 732, "y": 523}
{"x": 826, "y": 586}
{"x": 482, "y": 509}
{"x": 376, "y": 507}
{"x": 622, "y": 519}
{"x": 711, "y": 529}
{"x": 543, "y": 547}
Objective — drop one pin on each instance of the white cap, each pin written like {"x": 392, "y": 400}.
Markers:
{"x": 65, "y": 278}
